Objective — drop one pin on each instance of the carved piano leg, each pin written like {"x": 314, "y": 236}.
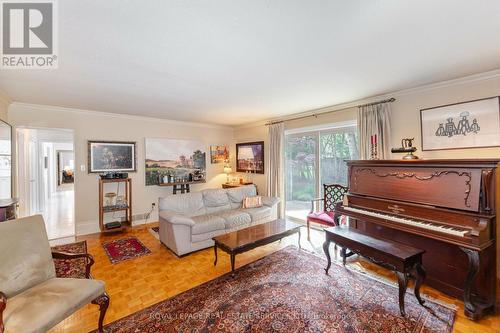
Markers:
{"x": 403, "y": 284}
{"x": 326, "y": 249}
{"x": 471, "y": 308}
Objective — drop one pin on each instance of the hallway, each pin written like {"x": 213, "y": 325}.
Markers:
{"x": 58, "y": 212}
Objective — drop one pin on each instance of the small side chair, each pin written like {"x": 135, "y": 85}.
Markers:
{"x": 32, "y": 298}
{"x": 324, "y": 214}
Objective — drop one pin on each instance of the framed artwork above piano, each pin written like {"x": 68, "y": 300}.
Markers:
{"x": 471, "y": 124}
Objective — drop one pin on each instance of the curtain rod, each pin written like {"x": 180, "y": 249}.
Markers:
{"x": 315, "y": 115}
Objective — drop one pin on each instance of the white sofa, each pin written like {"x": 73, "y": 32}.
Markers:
{"x": 189, "y": 221}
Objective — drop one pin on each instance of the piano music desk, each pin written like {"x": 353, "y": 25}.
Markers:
{"x": 400, "y": 258}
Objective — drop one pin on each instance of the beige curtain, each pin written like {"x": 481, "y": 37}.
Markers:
{"x": 374, "y": 120}
{"x": 275, "y": 186}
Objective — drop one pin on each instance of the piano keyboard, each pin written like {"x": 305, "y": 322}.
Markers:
{"x": 414, "y": 223}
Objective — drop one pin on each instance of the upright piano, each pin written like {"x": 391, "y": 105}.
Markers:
{"x": 446, "y": 207}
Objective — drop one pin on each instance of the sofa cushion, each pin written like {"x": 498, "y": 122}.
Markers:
{"x": 259, "y": 213}
{"x": 215, "y": 200}
{"x": 235, "y": 218}
{"x": 207, "y": 223}
{"x": 46, "y": 304}
{"x": 237, "y": 194}
{"x": 189, "y": 204}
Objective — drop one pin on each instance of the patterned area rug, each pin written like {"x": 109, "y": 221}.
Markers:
{"x": 124, "y": 249}
{"x": 288, "y": 291}
{"x": 74, "y": 268}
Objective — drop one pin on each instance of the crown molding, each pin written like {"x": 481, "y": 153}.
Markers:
{"x": 43, "y": 107}
{"x": 479, "y": 77}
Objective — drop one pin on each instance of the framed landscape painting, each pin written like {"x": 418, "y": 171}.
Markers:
{"x": 470, "y": 124}
{"x": 250, "y": 157}
{"x": 218, "y": 154}
{"x": 111, "y": 156}
{"x": 171, "y": 161}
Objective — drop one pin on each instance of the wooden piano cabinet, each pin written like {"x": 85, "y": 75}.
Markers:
{"x": 461, "y": 194}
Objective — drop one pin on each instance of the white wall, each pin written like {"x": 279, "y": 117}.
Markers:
{"x": 405, "y": 117}
{"x": 89, "y": 125}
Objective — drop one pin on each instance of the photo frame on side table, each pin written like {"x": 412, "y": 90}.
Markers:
{"x": 471, "y": 124}
{"x": 111, "y": 156}
{"x": 250, "y": 157}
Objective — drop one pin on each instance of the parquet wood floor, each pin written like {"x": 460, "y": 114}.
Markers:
{"x": 138, "y": 283}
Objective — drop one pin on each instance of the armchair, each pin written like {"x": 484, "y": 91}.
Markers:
{"x": 326, "y": 215}
{"x": 32, "y": 298}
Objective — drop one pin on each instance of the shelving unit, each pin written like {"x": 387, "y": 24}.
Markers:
{"x": 103, "y": 209}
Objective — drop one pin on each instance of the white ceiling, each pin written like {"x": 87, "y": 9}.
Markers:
{"x": 232, "y": 61}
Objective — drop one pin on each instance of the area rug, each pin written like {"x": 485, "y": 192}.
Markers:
{"x": 288, "y": 291}
{"x": 125, "y": 248}
{"x": 71, "y": 268}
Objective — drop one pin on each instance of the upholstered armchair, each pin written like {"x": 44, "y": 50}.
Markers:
{"x": 333, "y": 193}
{"x": 32, "y": 298}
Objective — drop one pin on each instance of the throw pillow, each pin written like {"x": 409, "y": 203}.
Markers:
{"x": 252, "y": 202}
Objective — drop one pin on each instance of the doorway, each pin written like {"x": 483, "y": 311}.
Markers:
{"x": 46, "y": 175}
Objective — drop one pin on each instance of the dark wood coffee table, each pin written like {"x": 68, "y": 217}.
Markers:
{"x": 243, "y": 240}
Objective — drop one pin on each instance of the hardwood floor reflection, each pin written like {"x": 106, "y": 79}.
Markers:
{"x": 141, "y": 282}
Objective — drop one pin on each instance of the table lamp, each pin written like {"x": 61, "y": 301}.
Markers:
{"x": 227, "y": 171}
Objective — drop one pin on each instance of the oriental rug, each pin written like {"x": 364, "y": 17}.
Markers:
{"x": 71, "y": 268}
{"x": 125, "y": 248}
{"x": 288, "y": 291}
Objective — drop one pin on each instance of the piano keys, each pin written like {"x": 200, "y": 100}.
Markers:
{"x": 445, "y": 207}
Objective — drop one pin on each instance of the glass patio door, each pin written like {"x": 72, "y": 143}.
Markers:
{"x": 301, "y": 161}
{"x": 315, "y": 158}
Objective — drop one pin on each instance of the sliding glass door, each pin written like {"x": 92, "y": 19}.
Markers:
{"x": 300, "y": 169}
{"x": 314, "y": 158}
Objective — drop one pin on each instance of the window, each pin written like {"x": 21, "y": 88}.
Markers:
{"x": 314, "y": 158}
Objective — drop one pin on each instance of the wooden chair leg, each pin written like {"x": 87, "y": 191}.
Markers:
{"x": 103, "y": 302}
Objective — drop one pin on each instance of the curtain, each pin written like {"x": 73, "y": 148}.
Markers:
{"x": 275, "y": 183}
{"x": 374, "y": 124}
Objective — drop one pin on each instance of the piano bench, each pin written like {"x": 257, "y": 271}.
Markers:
{"x": 403, "y": 259}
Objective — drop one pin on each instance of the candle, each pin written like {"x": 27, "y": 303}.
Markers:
{"x": 371, "y": 139}
{"x": 375, "y": 139}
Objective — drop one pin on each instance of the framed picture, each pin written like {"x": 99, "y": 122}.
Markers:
{"x": 471, "y": 124}
{"x": 250, "y": 157}
{"x": 218, "y": 154}
{"x": 111, "y": 156}
{"x": 171, "y": 161}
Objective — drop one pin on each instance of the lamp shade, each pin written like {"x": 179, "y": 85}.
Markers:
{"x": 227, "y": 169}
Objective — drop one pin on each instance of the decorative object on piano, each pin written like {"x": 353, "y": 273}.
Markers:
{"x": 470, "y": 124}
{"x": 250, "y": 157}
{"x": 111, "y": 156}
{"x": 176, "y": 161}
{"x": 219, "y": 154}
{"x": 406, "y": 147}
{"x": 373, "y": 147}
